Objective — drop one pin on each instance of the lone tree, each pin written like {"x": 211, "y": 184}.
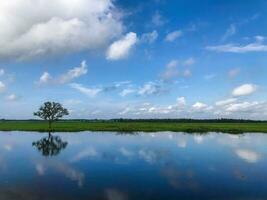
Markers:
{"x": 51, "y": 111}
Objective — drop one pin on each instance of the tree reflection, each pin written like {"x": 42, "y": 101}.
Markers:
{"x": 50, "y": 145}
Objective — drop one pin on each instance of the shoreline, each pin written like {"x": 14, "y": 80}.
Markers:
{"x": 189, "y": 127}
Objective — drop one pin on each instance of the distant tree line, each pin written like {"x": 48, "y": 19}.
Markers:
{"x": 221, "y": 120}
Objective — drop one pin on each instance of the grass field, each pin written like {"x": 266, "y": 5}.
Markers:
{"x": 75, "y": 126}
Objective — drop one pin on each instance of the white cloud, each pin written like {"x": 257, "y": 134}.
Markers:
{"x": 181, "y": 101}
{"x": 151, "y": 88}
{"x": 2, "y": 72}
{"x": 257, "y": 46}
{"x": 199, "y": 106}
{"x": 189, "y": 62}
{"x": 243, "y": 107}
{"x": 67, "y": 26}
{"x": 74, "y": 73}
{"x": 120, "y": 49}
{"x": 12, "y": 97}
{"x": 229, "y": 32}
{"x": 248, "y": 155}
{"x": 173, "y": 35}
{"x": 70, "y": 75}
{"x": 171, "y": 71}
{"x": 229, "y": 108}
{"x": 225, "y": 102}
{"x": 2, "y": 86}
{"x": 126, "y": 92}
{"x": 45, "y": 78}
{"x": 244, "y": 90}
{"x": 91, "y": 92}
{"x": 150, "y": 37}
{"x": 234, "y": 72}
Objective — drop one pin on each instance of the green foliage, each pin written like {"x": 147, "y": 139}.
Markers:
{"x": 75, "y": 126}
{"x": 51, "y": 111}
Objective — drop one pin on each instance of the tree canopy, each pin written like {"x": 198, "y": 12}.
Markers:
{"x": 51, "y": 111}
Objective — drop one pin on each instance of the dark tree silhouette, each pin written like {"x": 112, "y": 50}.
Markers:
{"x": 51, "y": 111}
{"x": 50, "y": 146}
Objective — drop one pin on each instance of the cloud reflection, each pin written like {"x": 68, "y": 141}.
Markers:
{"x": 248, "y": 155}
{"x": 86, "y": 153}
{"x": 114, "y": 194}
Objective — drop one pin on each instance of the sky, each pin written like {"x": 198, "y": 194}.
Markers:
{"x": 134, "y": 59}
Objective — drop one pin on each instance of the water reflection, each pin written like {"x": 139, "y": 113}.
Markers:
{"x": 156, "y": 166}
{"x": 50, "y": 145}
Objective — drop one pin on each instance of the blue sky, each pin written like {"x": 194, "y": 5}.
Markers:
{"x": 134, "y": 59}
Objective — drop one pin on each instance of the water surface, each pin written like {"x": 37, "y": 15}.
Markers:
{"x": 112, "y": 166}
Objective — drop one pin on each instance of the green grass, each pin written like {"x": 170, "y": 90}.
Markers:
{"x": 76, "y": 126}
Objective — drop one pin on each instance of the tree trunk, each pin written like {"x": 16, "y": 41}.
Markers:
{"x": 49, "y": 122}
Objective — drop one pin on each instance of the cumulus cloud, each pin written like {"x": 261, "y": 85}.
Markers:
{"x": 150, "y": 37}
{"x": 235, "y": 108}
{"x": 181, "y": 101}
{"x": 67, "y": 26}
{"x": 45, "y": 78}
{"x": 228, "y": 108}
{"x": 199, "y": 106}
{"x": 243, "y": 90}
{"x": 74, "y": 73}
{"x": 256, "y": 46}
{"x": 2, "y": 86}
{"x": 121, "y": 48}
{"x": 172, "y": 36}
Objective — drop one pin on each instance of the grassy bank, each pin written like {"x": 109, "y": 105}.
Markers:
{"x": 75, "y": 126}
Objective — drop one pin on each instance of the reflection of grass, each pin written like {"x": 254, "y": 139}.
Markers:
{"x": 73, "y": 126}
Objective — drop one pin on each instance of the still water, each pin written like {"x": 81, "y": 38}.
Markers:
{"x": 112, "y": 166}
